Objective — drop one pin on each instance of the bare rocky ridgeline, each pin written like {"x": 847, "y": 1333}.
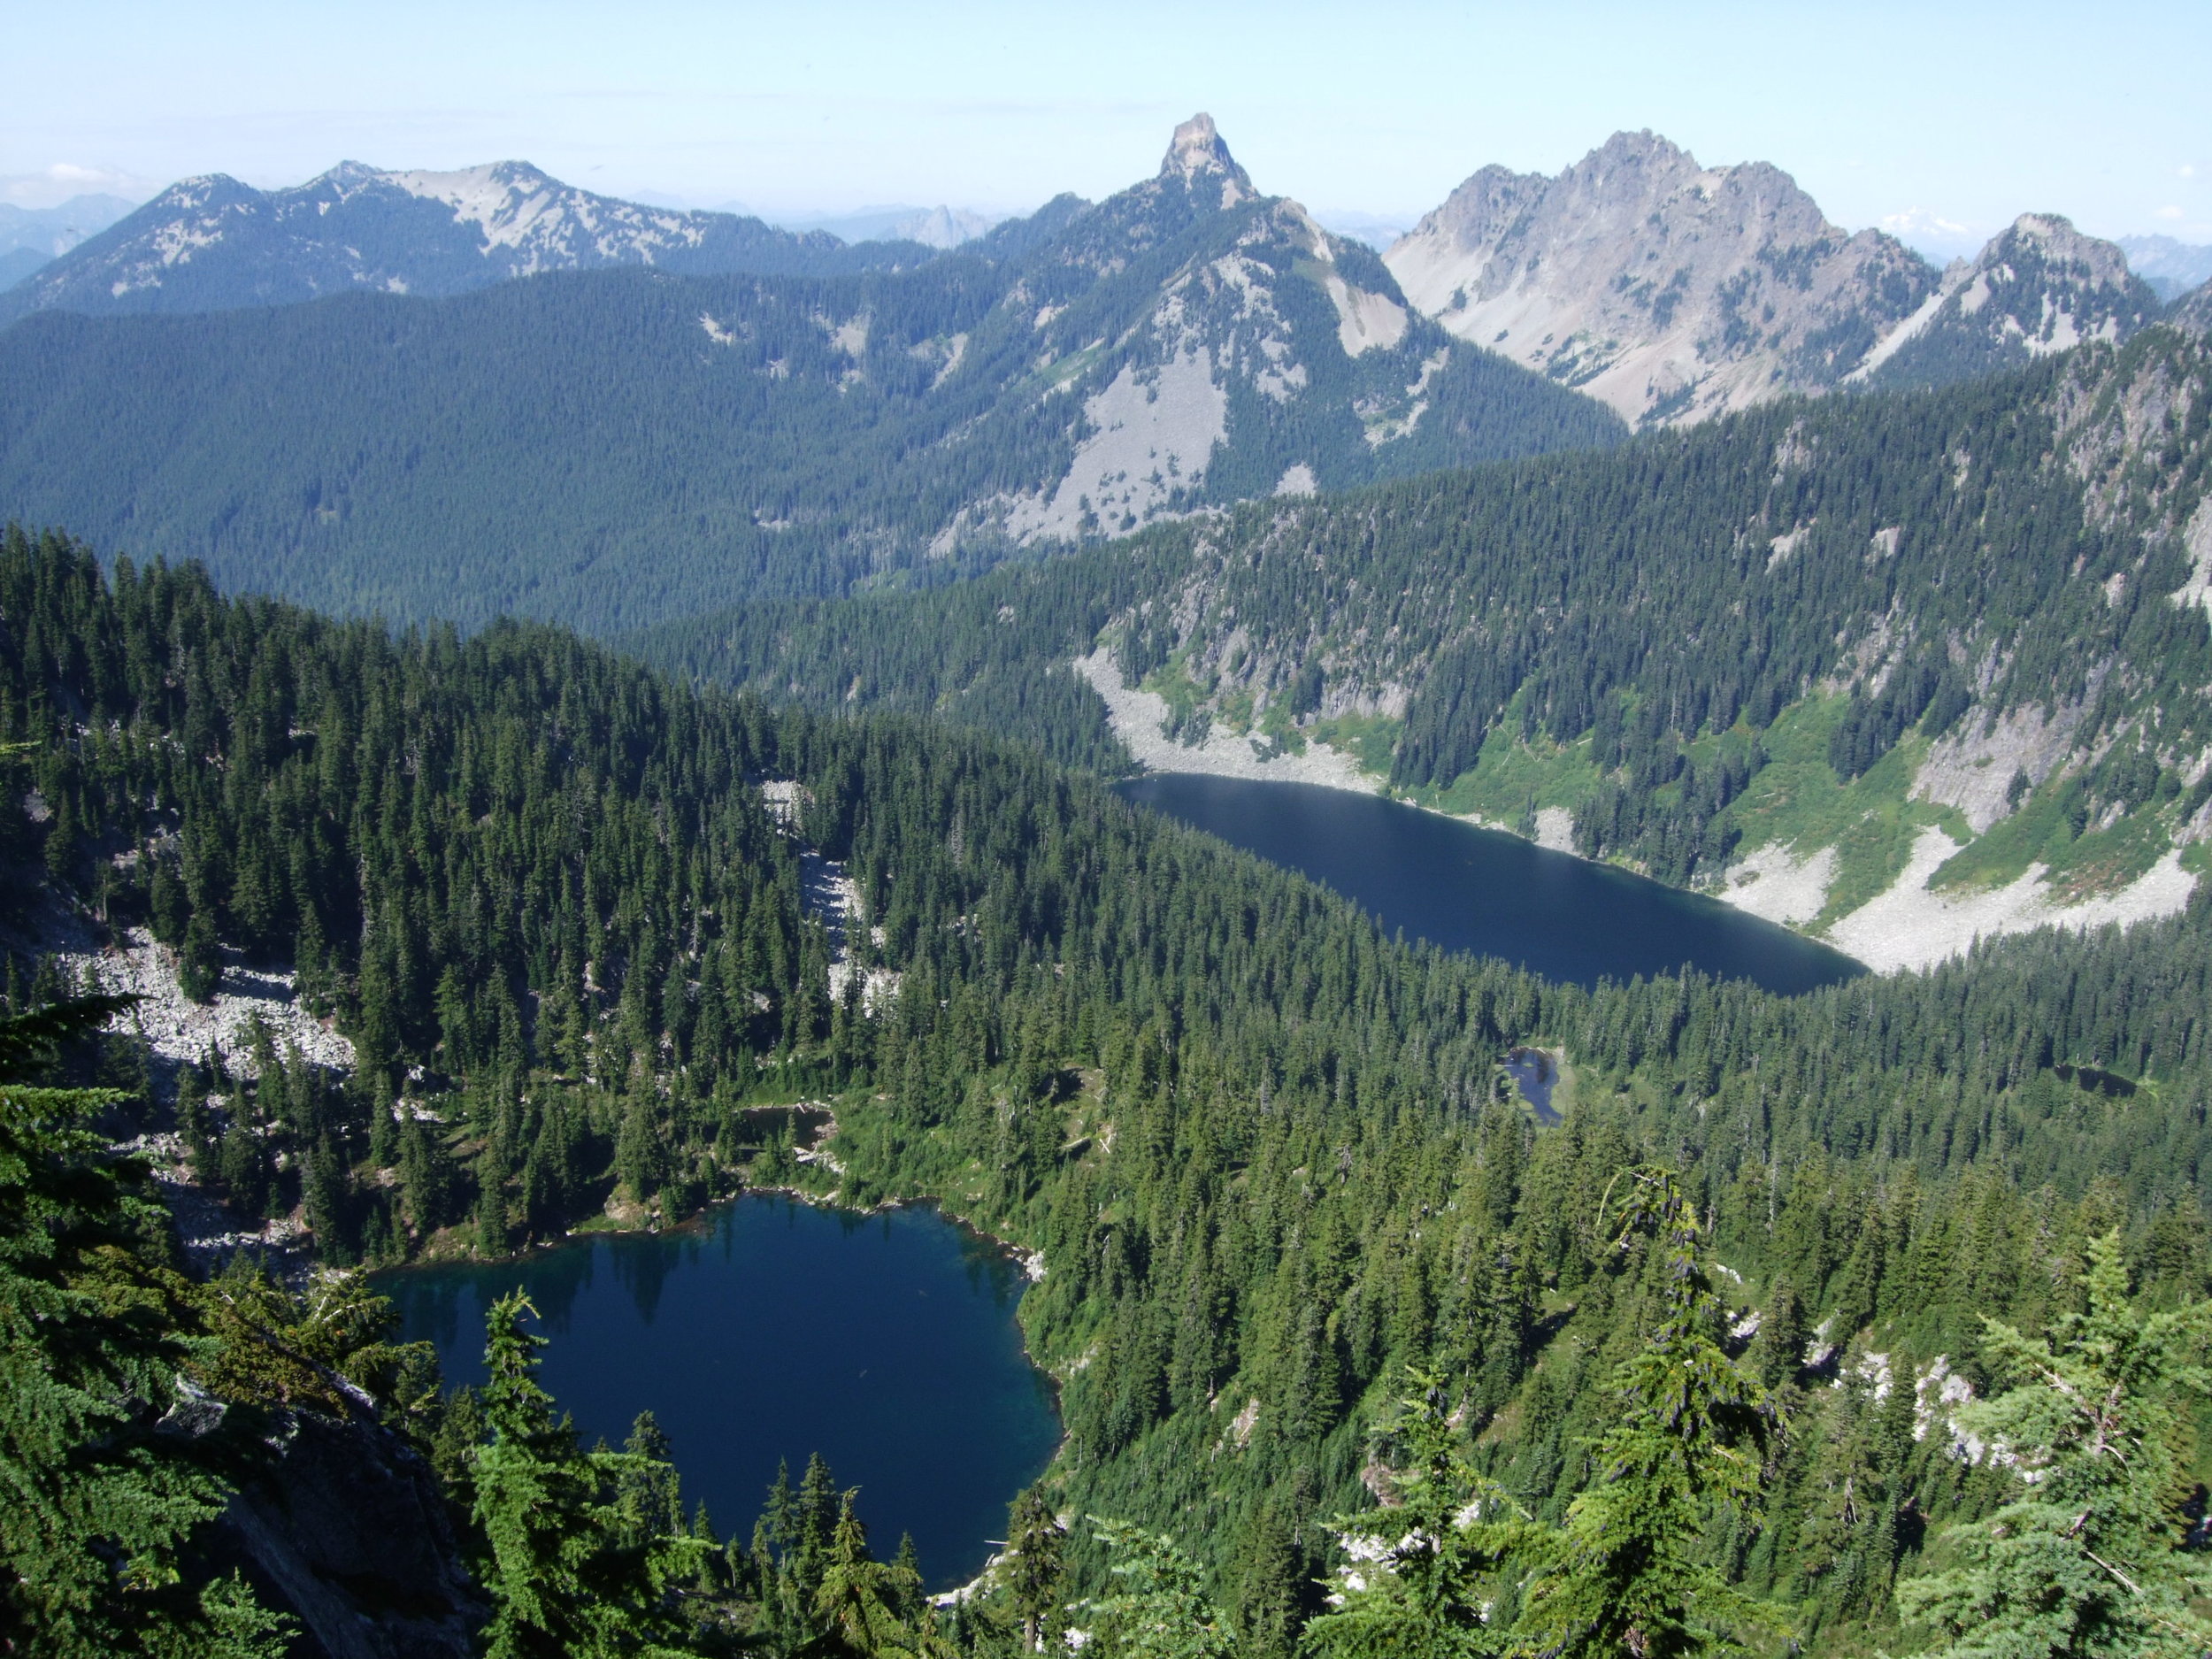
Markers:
{"x": 1668, "y": 290}
{"x": 2039, "y": 287}
{"x": 1673, "y": 292}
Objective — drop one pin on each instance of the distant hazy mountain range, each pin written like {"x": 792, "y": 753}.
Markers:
{"x": 31, "y": 236}
{"x": 1666, "y": 290}
{"x": 2170, "y": 268}
{"x": 621, "y": 446}
{"x": 931, "y": 227}
{"x": 214, "y": 244}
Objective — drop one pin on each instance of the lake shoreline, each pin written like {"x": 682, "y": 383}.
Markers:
{"x": 1466, "y": 887}
{"x": 1905, "y": 928}
{"x": 940, "y": 1406}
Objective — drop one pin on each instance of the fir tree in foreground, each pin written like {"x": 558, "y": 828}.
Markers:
{"x": 1036, "y": 1563}
{"x": 565, "y": 1580}
{"x": 1427, "y": 1571}
{"x": 1629, "y": 1572}
{"x": 1162, "y": 1610}
{"x": 2090, "y": 1560}
{"x": 98, "y": 1506}
{"x": 1438, "y": 1572}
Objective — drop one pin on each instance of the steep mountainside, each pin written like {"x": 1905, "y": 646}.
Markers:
{"x": 1900, "y": 669}
{"x": 213, "y": 243}
{"x": 1672, "y": 292}
{"x": 2039, "y": 287}
{"x": 618, "y": 448}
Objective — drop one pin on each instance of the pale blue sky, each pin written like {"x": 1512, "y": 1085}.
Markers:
{"x": 1966, "y": 113}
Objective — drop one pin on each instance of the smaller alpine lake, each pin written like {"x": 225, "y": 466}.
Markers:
{"x": 770, "y": 1330}
{"x": 1484, "y": 891}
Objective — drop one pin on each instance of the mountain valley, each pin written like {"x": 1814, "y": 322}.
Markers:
{"x": 1075, "y": 375}
{"x": 543, "y": 739}
{"x": 1750, "y": 657}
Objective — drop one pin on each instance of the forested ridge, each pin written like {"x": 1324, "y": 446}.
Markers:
{"x": 1268, "y": 1155}
{"x": 1636, "y": 636}
{"x": 608, "y": 450}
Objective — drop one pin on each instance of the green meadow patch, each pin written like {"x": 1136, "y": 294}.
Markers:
{"x": 1797, "y": 801}
{"x": 2051, "y": 828}
{"x": 1510, "y": 778}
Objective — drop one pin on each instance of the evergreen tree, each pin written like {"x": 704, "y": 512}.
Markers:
{"x": 1425, "y": 1570}
{"x": 859, "y": 1605}
{"x": 562, "y": 1583}
{"x": 1163, "y": 1611}
{"x": 1035, "y": 1565}
{"x": 98, "y": 1507}
{"x": 1629, "y": 1572}
{"x": 2090, "y": 1560}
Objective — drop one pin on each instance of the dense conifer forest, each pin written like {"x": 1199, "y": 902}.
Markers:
{"x": 1304, "y": 1248}
{"x": 609, "y": 450}
{"x": 1636, "y": 636}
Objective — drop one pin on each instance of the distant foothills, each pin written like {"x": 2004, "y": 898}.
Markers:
{"x": 348, "y": 392}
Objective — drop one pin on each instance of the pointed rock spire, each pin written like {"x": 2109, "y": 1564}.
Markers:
{"x": 1197, "y": 151}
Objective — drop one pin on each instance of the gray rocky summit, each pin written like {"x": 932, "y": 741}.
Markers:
{"x": 1674, "y": 292}
{"x": 1668, "y": 290}
{"x": 1197, "y": 151}
{"x": 2039, "y": 285}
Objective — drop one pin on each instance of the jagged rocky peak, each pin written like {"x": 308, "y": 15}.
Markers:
{"x": 1197, "y": 151}
{"x": 1670, "y": 291}
{"x": 2038, "y": 286}
{"x": 2055, "y": 241}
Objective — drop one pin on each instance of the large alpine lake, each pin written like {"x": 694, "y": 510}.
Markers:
{"x": 771, "y": 1330}
{"x": 1490, "y": 893}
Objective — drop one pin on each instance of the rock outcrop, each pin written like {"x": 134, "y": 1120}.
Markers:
{"x": 1668, "y": 290}
{"x": 342, "y": 1526}
{"x": 2039, "y": 287}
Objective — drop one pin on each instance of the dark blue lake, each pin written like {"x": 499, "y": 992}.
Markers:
{"x": 772, "y": 1331}
{"x": 1490, "y": 893}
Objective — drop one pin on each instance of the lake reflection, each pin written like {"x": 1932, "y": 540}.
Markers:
{"x": 1484, "y": 891}
{"x": 774, "y": 1330}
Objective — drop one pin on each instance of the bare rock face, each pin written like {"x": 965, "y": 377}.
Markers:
{"x": 1204, "y": 341}
{"x": 2039, "y": 287}
{"x": 344, "y": 1527}
{"x": 2194, "y": 312}
{"x": 1669, "y": 291}
{"x": 1197, "y": 151}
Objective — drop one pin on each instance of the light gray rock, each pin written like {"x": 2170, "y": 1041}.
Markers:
{"x": 1668, "y": 290}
